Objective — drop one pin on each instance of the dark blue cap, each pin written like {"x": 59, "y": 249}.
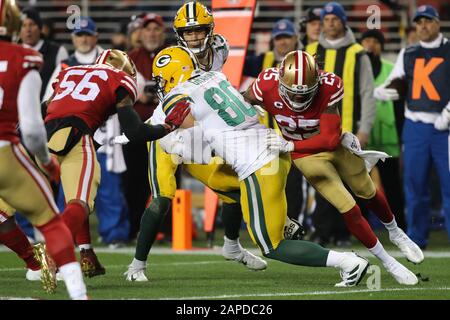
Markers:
{"x": 426, "y": 11}
{"x": 334, "y": 8}
{"x": 87, "y": 25}
{"x": 283, "y": 27}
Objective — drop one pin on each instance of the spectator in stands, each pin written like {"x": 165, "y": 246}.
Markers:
{"x": 411, "y": 36}
{"x": 119, "y": 38}
{"x": 422, "y": 74}
{"x": 284, "y": 40}
{"x": 338, "y": 52}
{"x": 47, "y": 30}
{"x": 386, "y": 128}
{"x": 136, "y": 186}
{"x": 30, "y": 35}
{"x": 310, "y": 26}
{"x": 134, "y": 32}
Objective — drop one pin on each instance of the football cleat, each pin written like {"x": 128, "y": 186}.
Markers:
{"x": 401, "y": 273}
{"x": 90, "y": 265}
{"x": 33, "y": 275}
{"x": 48, "y": 268}
{"x": 245, "y": 257}
{"x": 353, "y": 268}
{"x": 135, "y": 274}
{"x": 410, "y": 250}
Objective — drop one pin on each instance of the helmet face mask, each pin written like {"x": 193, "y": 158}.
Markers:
{"x": 172, "y": 66}
{"x": 299, "y": 80}
{"x": 194, "y": 17}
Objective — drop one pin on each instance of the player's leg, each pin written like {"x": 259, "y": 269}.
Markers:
{"x": 353, "y": 172}
{"x": 320, "y": 171}
{"x": 80, "y": 178}
{"x": 12, "y": 236}
{"x": 29, "y": 192}
{"x": 163, "y": 186}
{"x": 222, "y": 179}
{"x": 264, "y": 206}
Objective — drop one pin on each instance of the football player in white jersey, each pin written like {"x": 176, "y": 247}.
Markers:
{"x": 231, "y": 127}
{"x": 193, "y": 25}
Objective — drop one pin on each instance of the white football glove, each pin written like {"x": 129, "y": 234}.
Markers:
{"x": 260, "y": 110}
{"x": 122, "y": 139}
{"x": 443, "y": 121}
{"x": 277, "y": 143}
{"x": 385, "y": 94}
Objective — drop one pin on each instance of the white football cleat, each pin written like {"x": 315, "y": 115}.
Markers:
{"x": 353, "y": 268}
{"x": 410, "y": 250}
{"x": 246, "y": 258}
{"x": 33, "y": 275}
{"x": 135, "y": 274}
{"x": 400, "y": 273}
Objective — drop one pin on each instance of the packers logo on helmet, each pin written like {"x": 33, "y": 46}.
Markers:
{"x": 299, "y": 80}
{"x": 118, "y": 59}
{"x": 163, "y": 61}
{"x": 194, "y": 16}
{"x": 10, "y": 19}
{"x": 172, "y": 66}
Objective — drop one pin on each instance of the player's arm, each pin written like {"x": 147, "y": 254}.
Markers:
{"x": 132, "y": 125}
{"x": 32, "y": 128}
{"x": 30, "y": 120}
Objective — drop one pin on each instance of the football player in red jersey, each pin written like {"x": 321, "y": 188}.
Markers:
{"x": 22, "y": 185}
{"x": 305, "y": 102}
{"x": 83, "y": 98}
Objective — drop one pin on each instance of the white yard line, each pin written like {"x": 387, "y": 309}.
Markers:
{"x": 310, "y": 293}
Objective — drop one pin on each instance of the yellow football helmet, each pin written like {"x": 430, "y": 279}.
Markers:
{"x": 172, "y": 66}
{"x": 118, "y": 59}
{"x": 10, "y": 19}
{"x": 193, "y": 16}
{"x": 299, "y": 80}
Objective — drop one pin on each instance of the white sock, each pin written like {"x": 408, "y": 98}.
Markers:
{"x": 231, "y": 246}
{"x": 379, "y": 252}
{"x": 335, "y": 258}
{"x": 391, "y": 226}
{"x": 138, "y": 264}
{"x": 71, "y": 273}
{"x": 85, "y": 246}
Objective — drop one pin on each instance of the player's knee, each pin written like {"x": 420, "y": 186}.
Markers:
{"x": 159, "y": 207}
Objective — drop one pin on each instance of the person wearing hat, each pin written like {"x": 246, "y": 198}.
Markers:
{"x": 31, "y": 37}
{"x": 385, "y": 134}
{"x": 284, "y": 39}
{"x": 84, "y": 39}
{"x": 310, "y": 26}
{"x": 136, "y": 185}
{"x": 421, "y": 75}
{"x": 337, "y": 51}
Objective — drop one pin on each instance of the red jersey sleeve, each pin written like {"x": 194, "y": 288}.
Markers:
{"x": 30, "y": 59}
{"x": 266, "y": 80}
{"x": 334, "y": 87}
{"x": 123, "y": 80}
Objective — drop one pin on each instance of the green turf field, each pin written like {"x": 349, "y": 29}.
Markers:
{"x": 205, "y": 275}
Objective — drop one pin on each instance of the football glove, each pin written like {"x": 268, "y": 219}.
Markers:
{"x": 385, "y": 94}
{"x": 277, "y": 143}
{"x": 443, "y": 121}
{"x": 293, "y": 230}
{"x": 178, "y": 114}
{"x": 122, "y": 139}
{"x": 53, "y": 170}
